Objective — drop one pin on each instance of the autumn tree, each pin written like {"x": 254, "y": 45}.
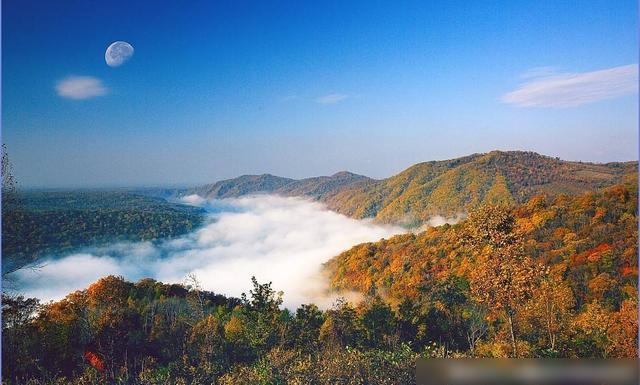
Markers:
{"x": 114, "y": 323}
{"x": 623, "y": 332}
{"x": 64, "y": 332}
{"x": 592, "y": 326}
{"x": 552, "y": 305}
{"x": 503, "y": 277}
{"x": 169, "y": 321}
{"x": 196, "y": 298}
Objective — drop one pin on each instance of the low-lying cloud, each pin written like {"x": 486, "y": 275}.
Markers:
{"x": 549, "y": 89}
{"x": 80, "y": 87}
{"x": 284, "y": 240}
{"x": 439, "y": 220}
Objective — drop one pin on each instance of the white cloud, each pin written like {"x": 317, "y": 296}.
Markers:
{"x": 80, "y": 87}
{"x": 284, "y": 240}
{"x": 438, "y": 220}
{"x": 331, "y": 98}
{"x": 194, "y": 200}
{"x": 574, "y": 89}
{"x": 66, "y": 275}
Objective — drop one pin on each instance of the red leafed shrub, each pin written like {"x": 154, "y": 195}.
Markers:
{"x": 94, "y": 360}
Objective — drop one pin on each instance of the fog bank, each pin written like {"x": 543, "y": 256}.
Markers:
{"x": 283, "y": 240}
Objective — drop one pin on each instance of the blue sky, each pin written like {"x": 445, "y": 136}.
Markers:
{"x": 219, "y": 89}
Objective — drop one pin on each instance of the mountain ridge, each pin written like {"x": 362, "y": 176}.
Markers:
{"x": 444, "y": 187}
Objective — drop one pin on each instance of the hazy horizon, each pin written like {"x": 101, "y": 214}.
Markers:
{"x": 179, "y": 185}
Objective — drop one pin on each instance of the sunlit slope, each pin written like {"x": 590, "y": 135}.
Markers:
{"x": 496, "y": 177}
{"x": 432, "y": 188}
{"x": 590, "y": 238}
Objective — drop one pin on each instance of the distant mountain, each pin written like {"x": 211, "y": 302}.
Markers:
{"x": 317, "y": 187}
{"x": 432, "y": 188}
{"x": 243, "y": 185}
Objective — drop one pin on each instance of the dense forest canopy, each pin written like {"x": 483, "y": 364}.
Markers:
{"x": 38, "y": 222}
{"x": 579, "y": 252}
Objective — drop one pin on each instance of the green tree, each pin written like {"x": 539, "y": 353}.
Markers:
{"x": 19, "y": 340}
{"x": 379, "y": 323}
{"x": 262, "y": 315}
{"x": 306, "y": 327}
{"x": 341, "y": 327}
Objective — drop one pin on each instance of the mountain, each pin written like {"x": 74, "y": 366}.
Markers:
{"x": 317, "y": 187}
{"x": 589, "y": 238}
{"x": 243, "y": 185}
{"x": 447, "y": 187}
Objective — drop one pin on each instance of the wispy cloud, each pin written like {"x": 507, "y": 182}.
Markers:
{"x": 80, "y": 87}
{"x": 574, "y": 89}
{"x": 331, "y": 98}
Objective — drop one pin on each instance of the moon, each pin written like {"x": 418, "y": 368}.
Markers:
{"x": 117, "y": 53}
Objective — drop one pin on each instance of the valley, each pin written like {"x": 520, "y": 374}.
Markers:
{"x": 345, "y": 270}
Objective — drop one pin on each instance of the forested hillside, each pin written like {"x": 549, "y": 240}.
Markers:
{"x": 36, "y": 223}
{"x": 439, "y": 187}
{"x": 583, "y": 248}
